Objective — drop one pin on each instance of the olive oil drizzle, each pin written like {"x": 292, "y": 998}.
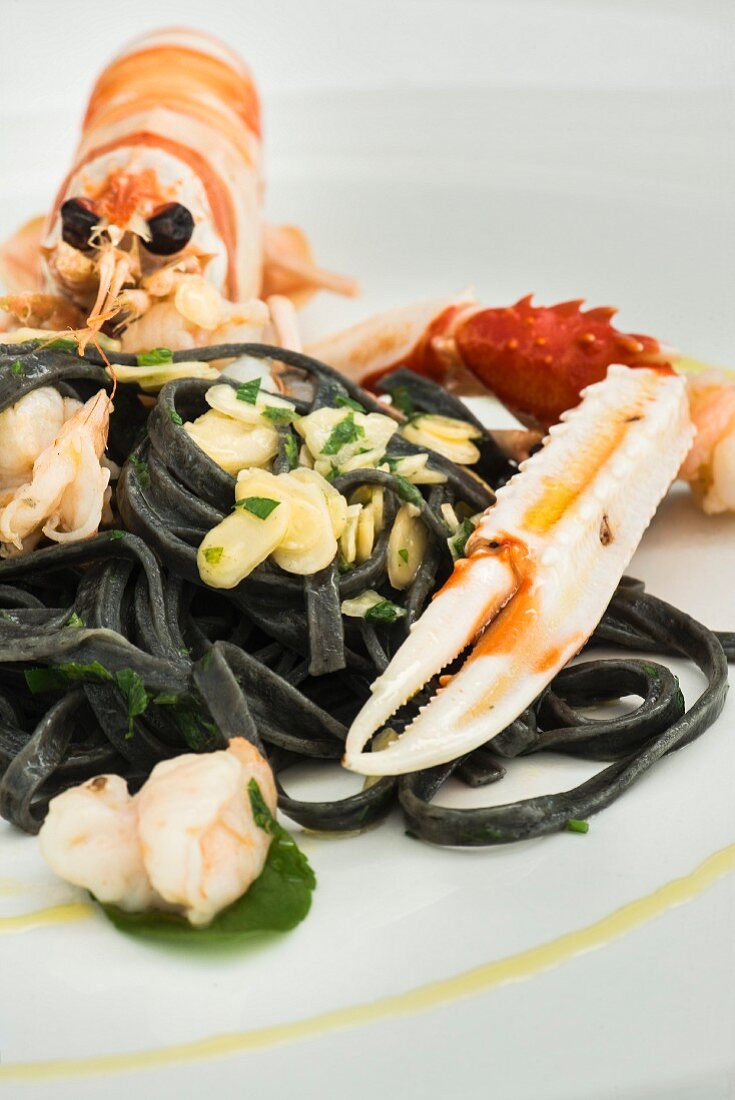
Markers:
{"x": 479, "y": 979}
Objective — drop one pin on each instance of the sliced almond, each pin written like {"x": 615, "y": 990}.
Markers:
{"x": 348, "y": 540}
{"x": 336, "y": 503}
{"x": 375, "y": 497}
{"x": 225, "y": 400}
{"x": 415, "y": 468}
{"x": 406, "y": 547}
{"x": 365, "y": 536}
{"x": 232, "y": 444}
{"x": 445, "y": 435}
{"x": 232, "y": 549}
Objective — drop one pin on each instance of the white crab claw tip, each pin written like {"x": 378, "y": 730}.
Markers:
{"x": 577, "y": 511}
{"x": 477, "y": 590}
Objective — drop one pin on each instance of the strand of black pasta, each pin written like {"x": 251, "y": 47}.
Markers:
{"x": 550, "y": 813}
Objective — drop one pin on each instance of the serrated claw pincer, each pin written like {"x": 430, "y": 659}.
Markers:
{"x": 542, "y": 566}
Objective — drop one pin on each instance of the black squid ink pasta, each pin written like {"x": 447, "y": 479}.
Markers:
{"x": 115, "y": 655}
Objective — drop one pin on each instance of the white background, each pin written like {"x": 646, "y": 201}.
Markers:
{"x": 567, "y": 148}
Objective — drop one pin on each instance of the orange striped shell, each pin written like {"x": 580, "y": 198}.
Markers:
{"x": 176, "y": 117}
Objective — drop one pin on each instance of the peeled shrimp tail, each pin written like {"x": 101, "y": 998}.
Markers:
{"x": 66, "y": 495}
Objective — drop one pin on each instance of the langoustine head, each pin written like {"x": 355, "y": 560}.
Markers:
{"x": 166, "y": 176}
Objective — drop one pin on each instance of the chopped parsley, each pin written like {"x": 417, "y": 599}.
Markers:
{"x": 133, "y": 691}
{"x": 384, "y": 612}
{"x": 128, "y": 682}
{"x": 249, "y": 391}
{"x": 401, "y": 399}
{"x": 342, "y": 401}
{"x": 576, "y": 826}
{"x": 166, "y": 699}
{"x": 343, "y": 565}
{"x": 278, "y": 414}
{"x": 155, "y": 357}
{"x": 458, "y": 541}
{"x": 188, "y": 716}
{"x": 175, "y": 418}
{"x": 17, "y": 368}
{"x": 291, "y": 450}
{"x": 75, "y": 622}
{"x": 403, "y": 555}
{"x": 141, "y": 470}
{"x": 213, "y": 554}
{"x": 392, "y": 462}
{"x": 116, "y": 534}
{"x": 258, "y": 506}
{"x": 408, "y": 492}
{"x": 262, "y": 816}
{"x": 346, "y": 431}
{"x": 61, "y": 676}
{"x": 60, "y": 344}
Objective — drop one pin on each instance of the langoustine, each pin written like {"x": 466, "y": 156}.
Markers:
{"x": 156, "y": 232}
{"x": 188, "y": 842}
{"x": 537, "y": 360}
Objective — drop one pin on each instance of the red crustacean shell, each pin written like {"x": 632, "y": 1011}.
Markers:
{"x": 537, "y": 359}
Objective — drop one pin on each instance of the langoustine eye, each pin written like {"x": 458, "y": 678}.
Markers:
{"x": 171, "y": 228}
{"x": 78, "y": 219}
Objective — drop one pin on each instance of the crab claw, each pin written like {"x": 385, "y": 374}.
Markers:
{"x": 542, "y": 566}
{"x": 538, "y": 359}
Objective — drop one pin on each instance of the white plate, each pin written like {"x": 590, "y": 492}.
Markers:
{"x": 422, "y": 972}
